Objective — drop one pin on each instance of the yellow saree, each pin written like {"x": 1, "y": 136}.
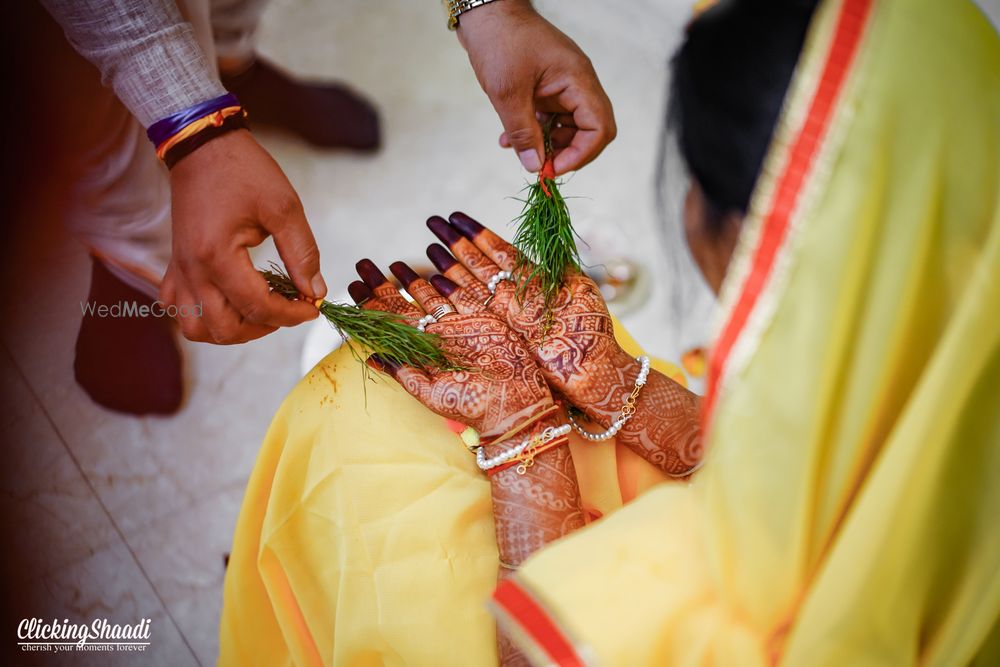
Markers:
{"x": 848, "y": 512}
{"x": 366, "y": 534}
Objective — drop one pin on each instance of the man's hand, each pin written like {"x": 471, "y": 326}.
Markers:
{"x": 227, "y": 196}
{"x": 526, "y": 66}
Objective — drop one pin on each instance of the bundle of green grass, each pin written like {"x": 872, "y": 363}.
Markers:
{"x": 544, "y": 237}
{"x": 377, "y": 332}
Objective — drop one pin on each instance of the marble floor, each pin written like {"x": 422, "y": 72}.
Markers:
{"x": 128, "y": 518}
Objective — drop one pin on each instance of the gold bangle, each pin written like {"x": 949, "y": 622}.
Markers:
{"x": 523, "y": 425}
{"x": 507, "y": 566}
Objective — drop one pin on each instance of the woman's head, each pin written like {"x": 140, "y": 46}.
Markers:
{"x": 729, "y": 78}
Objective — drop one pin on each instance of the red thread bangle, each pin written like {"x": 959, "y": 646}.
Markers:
{"x": 531, "y": 455}
{"x": 547, "y": 173}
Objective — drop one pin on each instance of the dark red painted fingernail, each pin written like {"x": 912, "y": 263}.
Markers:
{"x": 440, "y": 257}
{"x": 444, "y": 286}
{"x": 403, "y": 273}
{"x": 359, "y": 291}
{"x": 443, "y": 230}
{"x": 382, "y": 364}
{"x": 463, "y": 223}
{"x": 370, "y": 273}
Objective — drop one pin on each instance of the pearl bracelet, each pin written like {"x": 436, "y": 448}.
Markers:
{"x": 553, "y": 432}
{"x": 628, "y": 409}
{"x": 548, "y": 435}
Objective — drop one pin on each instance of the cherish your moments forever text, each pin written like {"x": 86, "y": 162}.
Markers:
{"x": 36, "y": 634}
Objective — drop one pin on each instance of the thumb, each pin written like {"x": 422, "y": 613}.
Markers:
{"x": 297, "y": 247}
{"x": 521, "y": 128}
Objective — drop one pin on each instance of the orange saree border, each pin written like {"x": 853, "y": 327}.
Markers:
{"x": 520, "y": 612}
{"x": 784, "y": 199}
{"x": 526, "y": 618}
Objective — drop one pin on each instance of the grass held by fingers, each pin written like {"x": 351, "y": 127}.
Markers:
{"x": 382, "y": 333}
{"x": 545, "y": 238}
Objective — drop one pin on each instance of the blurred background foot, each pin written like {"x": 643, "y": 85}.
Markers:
{"x": 127, "y": 363}
{"x": 325, "y": 114}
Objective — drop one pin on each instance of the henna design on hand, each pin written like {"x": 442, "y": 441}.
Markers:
{"x": 502, "y": 387}
{"x": 666, "y": 427}
{"x": 573, "y": 341}
{"x": 509, "y": 653}
{"x": 500, "y": 382}
{"x": 532, "y": 510}
{"x": 457, "y": 273}
{"x": 667, "y": 413}
{"x": 539, "y": 506}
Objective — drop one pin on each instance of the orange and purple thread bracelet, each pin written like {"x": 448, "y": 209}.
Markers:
{"x": 181, "y": 133}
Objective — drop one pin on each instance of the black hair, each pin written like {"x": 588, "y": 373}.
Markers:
{"x": 729, "y": 79}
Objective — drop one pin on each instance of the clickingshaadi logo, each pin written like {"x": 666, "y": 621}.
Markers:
{"x": 100, "y": 635}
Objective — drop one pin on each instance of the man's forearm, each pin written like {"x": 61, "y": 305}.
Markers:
{"x": 145, "y": 51}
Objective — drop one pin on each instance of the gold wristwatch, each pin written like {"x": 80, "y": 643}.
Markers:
{"x": 456, "y": 8}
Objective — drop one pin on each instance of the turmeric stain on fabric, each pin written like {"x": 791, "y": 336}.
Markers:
{"x": 329, "y": 377}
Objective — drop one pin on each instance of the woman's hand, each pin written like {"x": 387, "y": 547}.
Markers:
{"x": 499, "y": 384}
{"x": 503, "y": 388}
{"x": 574, "y": 345}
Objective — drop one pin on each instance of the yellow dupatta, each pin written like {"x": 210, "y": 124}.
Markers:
{"x": 366, "y": 534}
{"x": 848, "y": 512}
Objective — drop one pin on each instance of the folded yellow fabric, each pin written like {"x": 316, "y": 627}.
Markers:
{"x": 366, "y": 534}
{"x": 848, "y": 512}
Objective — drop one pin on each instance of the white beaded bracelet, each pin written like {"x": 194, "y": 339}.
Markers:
{"x": 548, "y": 435}
{"x": 628, "y": 409}
{"x": 497, "y": 279}
{"x": 553, "y": 432}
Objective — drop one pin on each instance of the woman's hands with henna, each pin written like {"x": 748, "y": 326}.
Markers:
{"x": 575, "y": 345}
{"x": 499, "y": 388}
{"x": 499, "y": 383}
{"x": 511, "y": 350}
